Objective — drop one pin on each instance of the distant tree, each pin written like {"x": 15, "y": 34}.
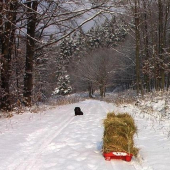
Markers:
{"x": 63, "y": 86}
{"x": 96, "y": 69}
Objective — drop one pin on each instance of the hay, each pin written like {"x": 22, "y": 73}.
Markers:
{"x": 118, "y": 133}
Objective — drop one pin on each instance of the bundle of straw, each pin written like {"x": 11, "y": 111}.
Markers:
{"x": 118, "y": 133}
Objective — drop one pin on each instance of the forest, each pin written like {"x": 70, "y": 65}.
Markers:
{"x": 59, "y": 47}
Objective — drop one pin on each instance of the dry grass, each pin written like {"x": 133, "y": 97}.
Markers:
{"x": 38, "y": 107}
{"x": 118, "y": 133}
{"x": 65, "y": 100}
{"x": 55, "y": 102}
{"x": 120, "y": 98}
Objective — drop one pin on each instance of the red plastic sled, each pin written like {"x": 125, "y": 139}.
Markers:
{"x": 118, "y": 155}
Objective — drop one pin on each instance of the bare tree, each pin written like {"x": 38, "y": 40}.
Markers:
{"x": 150, "y": 29}
{"x": 96, "y": 70}
{"x": 63, "y": 16}
{"x": 7, "y": 37}
{"x": 33, "y": 20}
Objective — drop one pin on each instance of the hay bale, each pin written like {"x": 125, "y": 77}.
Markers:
{"x": 119, "y": 131}
{"x": 110, "y": 115}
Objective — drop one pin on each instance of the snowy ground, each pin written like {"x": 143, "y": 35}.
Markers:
{"x": 57, "y": 140}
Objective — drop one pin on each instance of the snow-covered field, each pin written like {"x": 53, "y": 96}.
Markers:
{"x": 55, "y": 139}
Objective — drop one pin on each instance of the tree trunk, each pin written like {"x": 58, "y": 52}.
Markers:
{"x": 90, "y": 89}
{"x": 7, "y": 38}
{"x": 137, "y": 39}
{"x": 161, "y": 42}
{"x": 102, "y": 90}
{"x": 168, "y": 81}
{"x": 146, "y": 44}
{"x": 30, "y": 45}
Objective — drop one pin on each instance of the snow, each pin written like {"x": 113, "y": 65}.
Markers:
{"x": 55, "y": 139}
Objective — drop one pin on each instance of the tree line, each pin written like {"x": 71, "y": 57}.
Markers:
{"x": 145, "y": 52}
{"x": 151, "y": 34}
{"x": 27, "y": 27}
{"x": 45, "y": 49}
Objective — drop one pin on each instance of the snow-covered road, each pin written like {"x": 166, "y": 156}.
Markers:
{"x": 58, "y": 140}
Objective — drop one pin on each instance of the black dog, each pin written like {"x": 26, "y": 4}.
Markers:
{"x": 78, "y": 111}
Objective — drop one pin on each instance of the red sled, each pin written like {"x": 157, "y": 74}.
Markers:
{"x": 118, "y": 155}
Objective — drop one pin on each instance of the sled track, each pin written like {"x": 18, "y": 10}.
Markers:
{"x": 119, "y": 164}
{"x": 29, "y": 160}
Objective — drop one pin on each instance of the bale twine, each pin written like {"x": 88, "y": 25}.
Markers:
{"x": 119, "y": 131}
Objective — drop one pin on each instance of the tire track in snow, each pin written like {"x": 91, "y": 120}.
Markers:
{"x": 28, "y": 161}
{"x": 92, "y": 108}
{"x": 27, "y": 165}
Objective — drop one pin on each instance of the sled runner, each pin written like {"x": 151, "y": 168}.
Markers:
{"x": 118, "y": 155}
